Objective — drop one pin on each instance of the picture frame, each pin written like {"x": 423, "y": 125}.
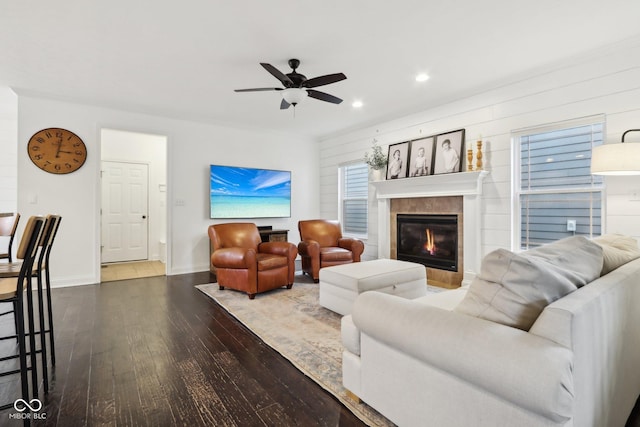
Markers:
{"x": 398, "y": 156}
{"x": 449, "y": 150}
{"x": 421, "y": 157}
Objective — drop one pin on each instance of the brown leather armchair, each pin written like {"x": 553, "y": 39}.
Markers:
{"x": 241, "y": 261}
{"x": 322, "y": 245}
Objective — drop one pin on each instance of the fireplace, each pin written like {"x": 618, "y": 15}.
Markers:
{"x": 449, "y": 193}
{"x": 428, "y": 239}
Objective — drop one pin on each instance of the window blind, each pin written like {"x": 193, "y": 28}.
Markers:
{"x": 556, "y": 185}
{"x": 355, "y": 194}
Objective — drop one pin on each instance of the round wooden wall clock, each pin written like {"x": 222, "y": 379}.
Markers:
{"x": 57, "y": 150}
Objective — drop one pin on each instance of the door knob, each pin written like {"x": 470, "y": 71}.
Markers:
{"x": 144, "y": 217}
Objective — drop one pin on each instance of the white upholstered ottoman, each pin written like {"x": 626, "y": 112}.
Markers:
{"x": 341, "y": 284}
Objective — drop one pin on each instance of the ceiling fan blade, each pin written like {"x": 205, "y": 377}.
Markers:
{"x": 284, "y": 104}
{"x": 324, "y": 80}
{"x": 258, "y": 89}
{"x": 323, "y": 96}
{"x": 286, "y": 81}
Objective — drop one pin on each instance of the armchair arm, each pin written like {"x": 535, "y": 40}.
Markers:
{"x": 279, "y": 248}
{"x": 522, "y": 368}
{"x": 309, "y": 248}
{"x": 354, "y": 245}
{"x": 234, "y": 258}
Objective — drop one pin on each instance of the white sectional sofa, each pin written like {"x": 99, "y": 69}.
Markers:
{"x": 427, "y": 362}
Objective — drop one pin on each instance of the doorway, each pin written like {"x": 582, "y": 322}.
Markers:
{"x": 133, "y": 205}
{"x": 125, "y": 190}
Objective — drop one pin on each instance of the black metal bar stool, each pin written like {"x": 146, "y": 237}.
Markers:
{"x": 42, "y": 267}
{"x": 40, "y": 270}
{"x": 8, "y": 226}
{"x": 12, "y": 289}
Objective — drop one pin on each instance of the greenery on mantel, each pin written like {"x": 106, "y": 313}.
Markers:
{"x": 377, "y": 159}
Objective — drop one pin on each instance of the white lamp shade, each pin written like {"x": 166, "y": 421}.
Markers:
{"x": 293, "y": 95}
{"x": 616, "y": 159}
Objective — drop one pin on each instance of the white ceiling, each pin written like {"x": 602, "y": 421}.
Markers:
{"x": 184, "y": 59}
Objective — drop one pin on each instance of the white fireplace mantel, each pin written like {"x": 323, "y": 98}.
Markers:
{"x": 465, "y": 184}
{"x": 454, "y": 184}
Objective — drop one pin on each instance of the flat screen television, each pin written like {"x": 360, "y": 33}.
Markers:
{"x": 238, "y": 192}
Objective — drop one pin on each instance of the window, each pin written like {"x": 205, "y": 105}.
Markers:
{"x": 354, "y": 193}
{"x": 555, "y": 194}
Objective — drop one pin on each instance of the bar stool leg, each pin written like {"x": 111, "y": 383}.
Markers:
{"x": 32, "y": 338}
{"x": 22, "y": 351}
{"x": 43, "y": 338}
{"x": 52, "y": 347}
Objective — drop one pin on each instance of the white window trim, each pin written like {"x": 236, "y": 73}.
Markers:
{"x": 515, "y": 173}
{"x": 362, "y": 236}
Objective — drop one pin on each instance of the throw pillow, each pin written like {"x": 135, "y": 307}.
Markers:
{"x": 618, "y": 250}
{"x": 513, "y": 289}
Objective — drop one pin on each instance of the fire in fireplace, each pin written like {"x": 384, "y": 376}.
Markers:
{"x": 431, "y": 240}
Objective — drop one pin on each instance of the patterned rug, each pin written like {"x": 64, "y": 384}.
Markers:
{"x": 292, "y": 322}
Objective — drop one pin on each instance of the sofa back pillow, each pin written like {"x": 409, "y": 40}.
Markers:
{"x": 617, "y": 250}
{"x": 514, "y": 288}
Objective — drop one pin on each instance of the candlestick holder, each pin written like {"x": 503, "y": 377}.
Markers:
{"x": 479, "y": 156}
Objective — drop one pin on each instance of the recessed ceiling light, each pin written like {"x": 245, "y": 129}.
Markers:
{"x": 357, "y": 104}
{"x": 422, "y": 77}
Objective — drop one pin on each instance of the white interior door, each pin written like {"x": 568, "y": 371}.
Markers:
{"x": 124, "y": 211}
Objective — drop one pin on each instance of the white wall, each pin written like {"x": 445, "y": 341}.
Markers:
{"x": 192, "y": 147}
{"x": 602, "y": 82}
{"x": 135, "y": 147}
{"x": 9, "y": 150}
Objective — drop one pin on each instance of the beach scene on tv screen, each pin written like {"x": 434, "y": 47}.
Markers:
{"x": 237, "y": 192}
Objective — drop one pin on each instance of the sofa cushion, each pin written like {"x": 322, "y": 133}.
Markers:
{"x": 513, "y": 289}
{"x": 617, "y": 250}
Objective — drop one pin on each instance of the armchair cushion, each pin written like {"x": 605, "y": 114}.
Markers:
{"x": 334, "y": 254}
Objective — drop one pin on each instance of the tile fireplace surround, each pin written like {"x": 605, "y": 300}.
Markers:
{"x": 465, "y": 184}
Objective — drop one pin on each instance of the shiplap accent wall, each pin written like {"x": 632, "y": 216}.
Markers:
{"x": 604, "y": 82}
{"x": 9, "y": 150}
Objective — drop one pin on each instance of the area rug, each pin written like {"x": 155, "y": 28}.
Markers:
{"x": 292, "y": 322}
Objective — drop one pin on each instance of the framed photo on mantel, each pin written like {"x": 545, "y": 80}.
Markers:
{"x": 398, "y": 157}
{"x": 449, "y": 147}
{"x": 421, "y": 157}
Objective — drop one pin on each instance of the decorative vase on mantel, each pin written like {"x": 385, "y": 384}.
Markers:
{"x": 377, "y": 174}
{"x": 377, "y": 161}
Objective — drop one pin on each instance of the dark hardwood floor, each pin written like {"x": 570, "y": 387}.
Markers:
{"x": 157, "y": 352}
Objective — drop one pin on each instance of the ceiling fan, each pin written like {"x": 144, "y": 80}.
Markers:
{"x": 297, "y": 86}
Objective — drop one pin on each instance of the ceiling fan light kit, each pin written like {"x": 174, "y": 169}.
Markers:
{"x": 297, "y": 87}
{"x": 294, "y": 96}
